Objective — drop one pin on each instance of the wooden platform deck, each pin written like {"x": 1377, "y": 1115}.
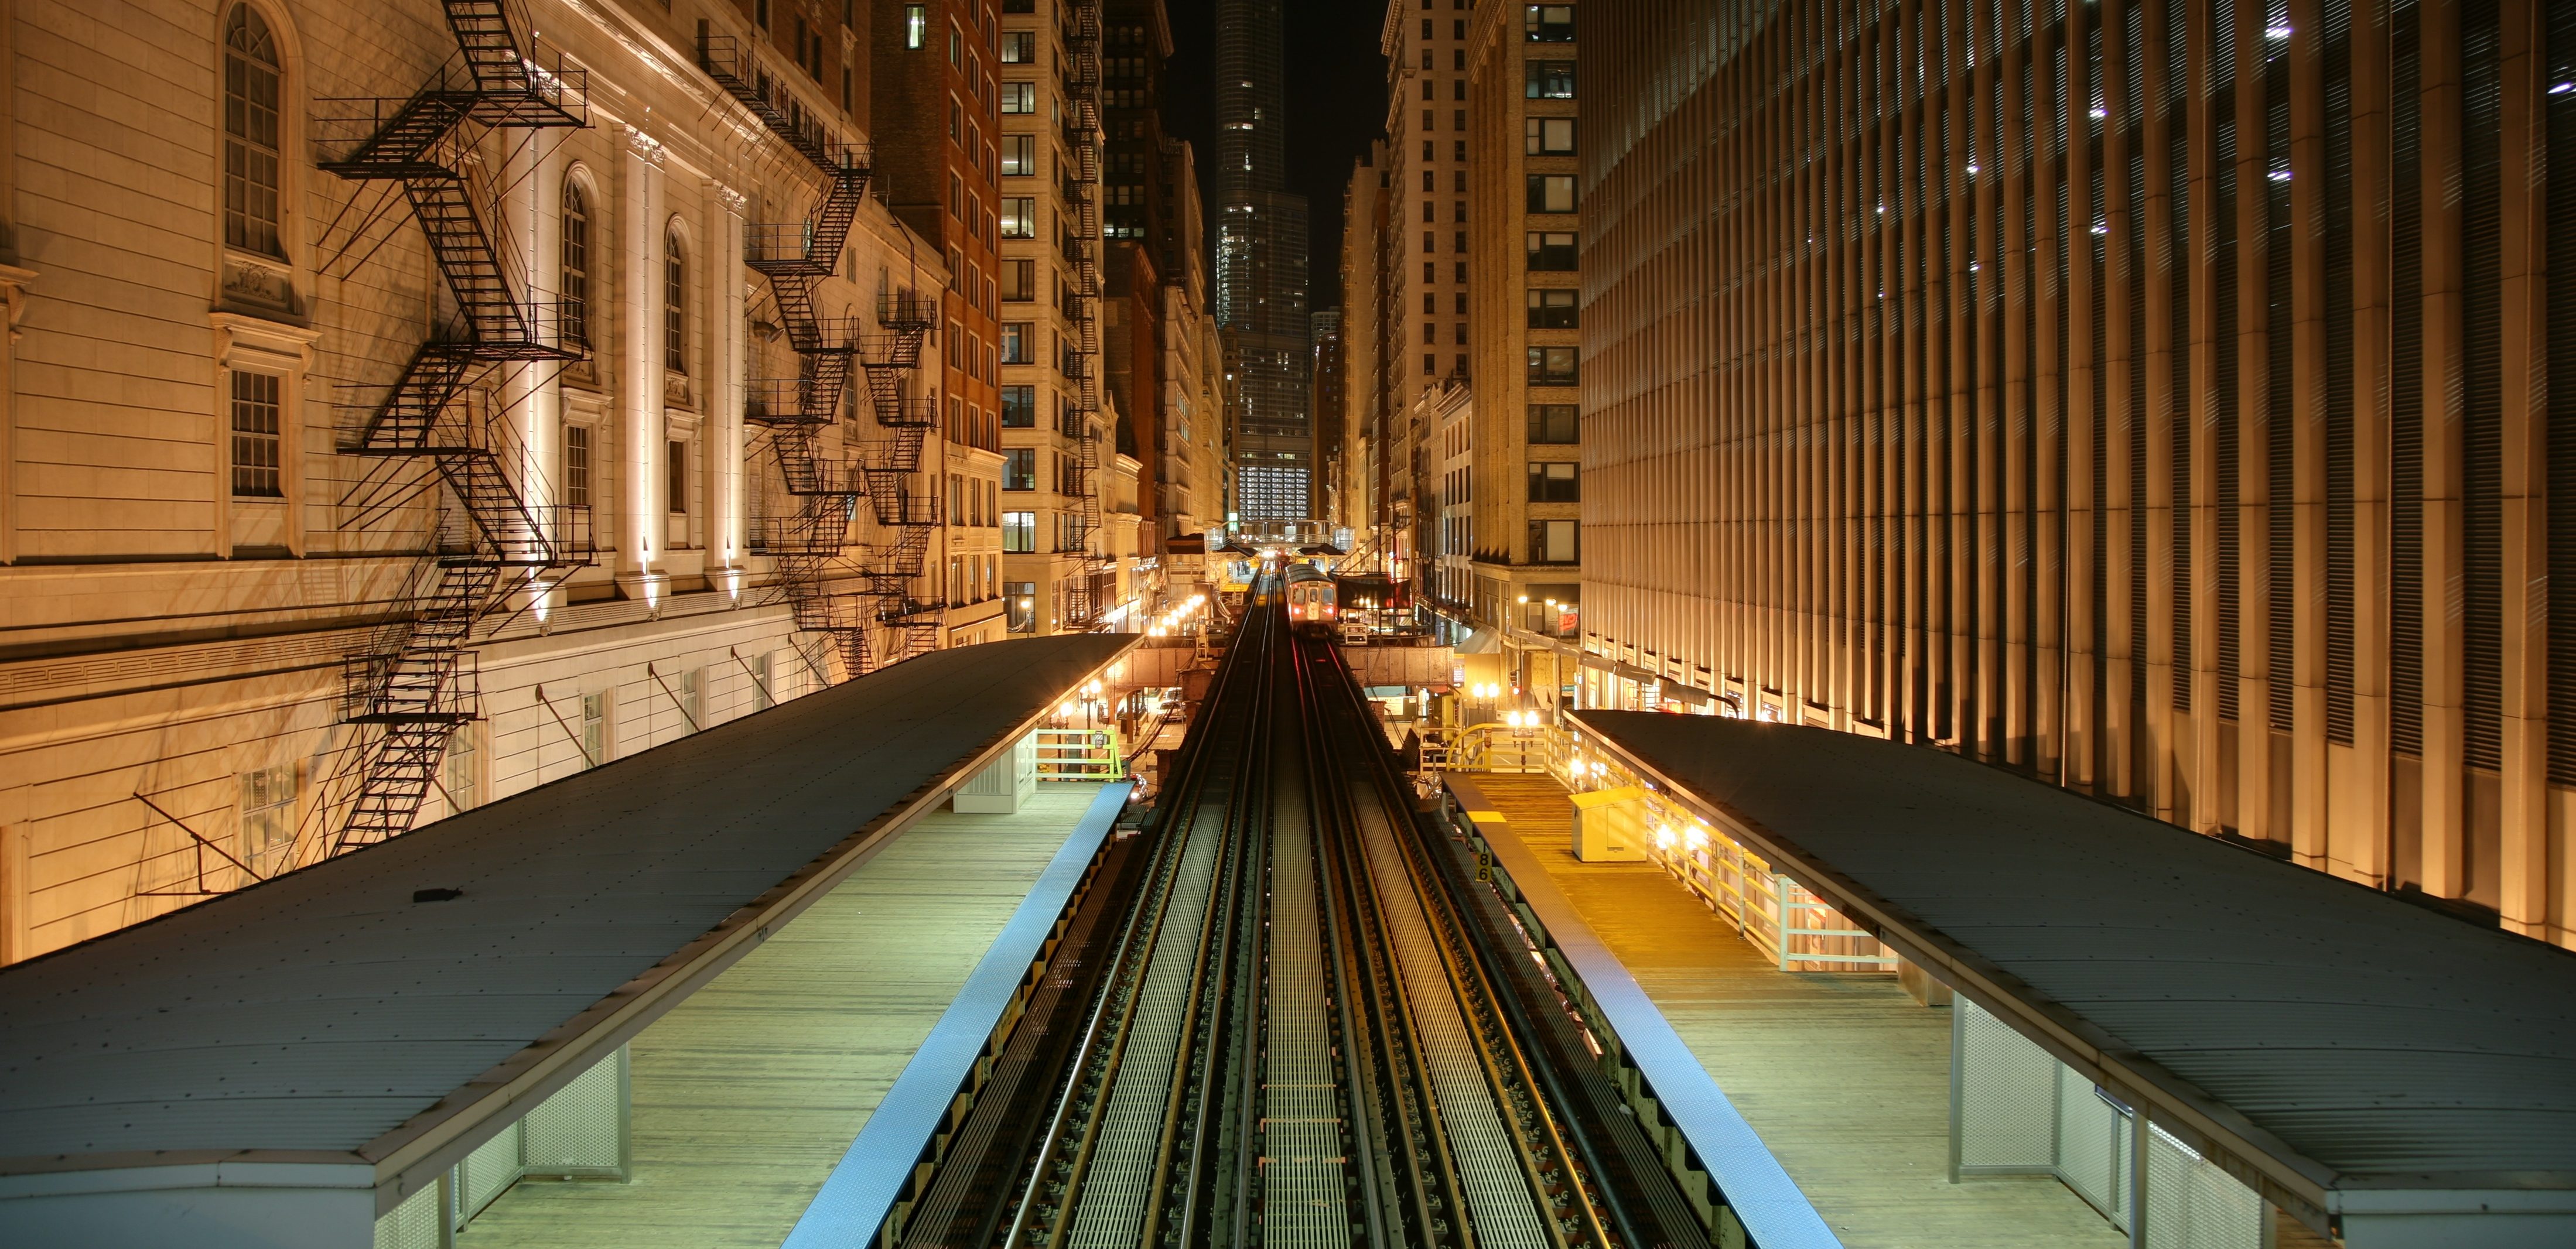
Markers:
{"x": 1845, "y": 1077}
{"x": 746, "y": 1095}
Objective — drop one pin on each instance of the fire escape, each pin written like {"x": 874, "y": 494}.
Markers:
{"x": 1083, "y": 606}
{"x": 416, "y": 680}
{"x": 825, "y": 480}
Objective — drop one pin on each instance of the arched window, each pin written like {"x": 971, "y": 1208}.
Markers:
{"x": 252, "y": 86}
{"x": 576, "y": 265}
{"x": 675, "y": 304}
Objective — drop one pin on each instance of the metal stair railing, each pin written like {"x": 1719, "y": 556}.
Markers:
{"x": 1082, "y": 605}
{"x": 416, "y": 681}
{"x": 795, "y": 257}
{"x": 735, "y": 66}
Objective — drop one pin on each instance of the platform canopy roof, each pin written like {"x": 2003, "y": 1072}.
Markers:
{"x": 2344, "y": 1050}
{"x": 334, "y": 1016}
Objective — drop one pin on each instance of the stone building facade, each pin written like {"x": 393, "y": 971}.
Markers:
{"x": 351, "y": 474}
{"x": 1523, "y": 539}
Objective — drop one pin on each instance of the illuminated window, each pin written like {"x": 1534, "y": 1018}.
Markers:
{"x": 675, "y": 304}
{"x": 1551, "y": 366}
{"x": 576, "y": 465}
{"x": 268, "y": 817}
{"x": 256, "y": 442}
{"x": 1020, "y": 217}
{"x": 1547, "y": 136}
{"x": 1554, "y": 542}
{"x": 252, "y": 90}
{"x": 576, "y": 265}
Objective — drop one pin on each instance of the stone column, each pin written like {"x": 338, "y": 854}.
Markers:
{"x": 640, "y": 534}
{"x": 728, "y": 490}
{"x": 531, "y": 222}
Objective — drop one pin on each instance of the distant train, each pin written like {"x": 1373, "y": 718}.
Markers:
{"x": 1310, "y": 599}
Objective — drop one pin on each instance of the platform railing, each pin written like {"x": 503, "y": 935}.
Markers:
{"x": 1794, "y": 929}
{"x": 1080, "y": 755}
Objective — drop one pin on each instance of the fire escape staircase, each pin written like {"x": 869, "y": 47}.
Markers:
{"x": 807, "y": 545}
{"x": 416, "y": 681}
{"x": 1083, "y": 606}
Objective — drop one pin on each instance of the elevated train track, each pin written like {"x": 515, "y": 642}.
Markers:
{"x": 1295, "y": 1017}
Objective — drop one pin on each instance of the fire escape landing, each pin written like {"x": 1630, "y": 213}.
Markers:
{"x": 416, "y": 681}
{"x": 810, "y": 544}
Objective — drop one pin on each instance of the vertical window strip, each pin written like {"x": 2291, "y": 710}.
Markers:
{"x": 2337, "y": 196}
{"x": 2558, "y": 104}
{"x": 576, "y": 265}
{"x": 2222, "y": 339}
{"x": 2279, "y": 425}
{"x": 2405, "y": 389}
{"x": 2095, "y": 243}
{"x": 2132, "y": 113}
{"x": 2482, "y": 400}
{"x": 675, "y": 306}
{"x": 2178, "y": 157}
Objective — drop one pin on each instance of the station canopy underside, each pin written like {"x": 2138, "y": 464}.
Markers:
{"x": 2360, "y": 1052}
{"x": 326, "y": 1015}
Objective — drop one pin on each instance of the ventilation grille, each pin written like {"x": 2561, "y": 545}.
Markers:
{"x": 2482, "y": 462}
{"x": 2405, "y": 392}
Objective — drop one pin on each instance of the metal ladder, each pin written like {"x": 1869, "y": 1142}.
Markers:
{"x": 1082, "y": 606}
{"x": 415, "y": 682}
{"x": 796, "y": 257}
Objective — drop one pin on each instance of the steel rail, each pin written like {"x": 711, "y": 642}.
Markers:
{"x": 1630, "y": 1180}
{"x": 1506, "y": 1064}
{"x": 1314, "y": 1029}
{"x": 1439, "y": 1191}
{"x": 1482, "y": 1113}
{"x": 1091, "y": 1067}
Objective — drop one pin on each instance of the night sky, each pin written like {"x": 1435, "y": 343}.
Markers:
{"x": 1336, "y": 104}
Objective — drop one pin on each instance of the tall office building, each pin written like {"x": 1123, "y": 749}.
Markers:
{"x": 1424, "y": 265}
{"x": 1326, "y": 494}
{"x": 1261, "y": 269}
{"x": 2156, "y": 399}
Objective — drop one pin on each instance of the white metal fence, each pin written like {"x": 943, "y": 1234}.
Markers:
{"x": 1790, "y": 925}
{"x": 2016, "y": 1110}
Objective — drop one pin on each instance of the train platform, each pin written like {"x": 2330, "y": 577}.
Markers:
{"x": 384, "y": 1048}
{"x": 2384, "y": 1074}
{"x": 748, "y": 1095}
{"x": 1845, "y": 1077}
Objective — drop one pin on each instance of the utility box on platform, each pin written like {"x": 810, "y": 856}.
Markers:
{"x": 1610, "y": 825}
{"x": 1003, "y": 785}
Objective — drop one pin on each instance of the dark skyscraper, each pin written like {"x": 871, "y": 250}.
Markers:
{"x": 1260, "y": 268}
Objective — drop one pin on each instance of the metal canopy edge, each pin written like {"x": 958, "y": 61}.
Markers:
{"x": 864, "y": 1184}
{"x": 1776, "y": 1213}
{"x": 2306, "y": 1186}
{"x": 414, "y": 1153}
